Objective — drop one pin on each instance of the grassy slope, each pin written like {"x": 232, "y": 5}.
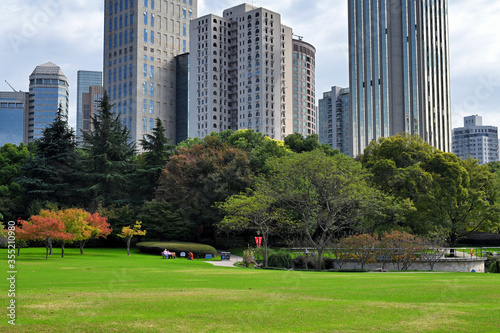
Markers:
{"x": 106, "y": 291}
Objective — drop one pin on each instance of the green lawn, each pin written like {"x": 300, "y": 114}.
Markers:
{"x": 106, "y": 291}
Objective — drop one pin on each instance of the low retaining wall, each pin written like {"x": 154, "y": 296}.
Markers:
{"x": 442, "y": 265}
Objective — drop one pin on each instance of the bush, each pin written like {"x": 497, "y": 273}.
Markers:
{"x": 494, "y": 266}
{"x": 199, "y": 250}
{"x": 303, "y": 262}
{"x": 280, "y": 259}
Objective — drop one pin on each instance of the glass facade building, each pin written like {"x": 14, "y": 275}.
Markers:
{"x": 85, "y": 79}
{"x": 13, "y": 108}
{"x": 48, "y": 89}
{"x": 399, "y": 71}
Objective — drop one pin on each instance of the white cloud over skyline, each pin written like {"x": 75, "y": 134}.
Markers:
{"x": 70, "y": 34}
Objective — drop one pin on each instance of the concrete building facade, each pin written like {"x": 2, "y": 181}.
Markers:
{"x": 476, "y": 140}
{"x": 304, "y": 91}
{"x": 48, "y": 89}
{"x": 14, "y": 108}
{"x": 334, "y": 126}
{"x": 91, "y": 102}
{"x": 141, "y": 40}
{"x": 85, "y": 79}
{"x": 399, "y": 70}
{"x": 241, "y": 73}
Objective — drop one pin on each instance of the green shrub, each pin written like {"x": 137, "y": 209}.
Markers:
{"x": 305, "y": 262}
{"x": 280, "y": 259}
{"x": 494, "y": 267}
{"x": 199, "y": 250}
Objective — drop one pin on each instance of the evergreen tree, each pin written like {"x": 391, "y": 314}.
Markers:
{"x": 49, "y": 174}
{"x": 157, "y": 151}
{"x": 110, "y": 157}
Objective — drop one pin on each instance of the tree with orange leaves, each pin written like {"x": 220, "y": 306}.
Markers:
{"x": 44, "y": 228}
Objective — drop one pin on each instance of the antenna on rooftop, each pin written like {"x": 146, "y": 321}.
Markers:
{"x": 11, "y": 86}
{"x": 298, "y": 37}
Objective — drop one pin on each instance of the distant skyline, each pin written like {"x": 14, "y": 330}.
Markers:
{"x": 70, "y": 34}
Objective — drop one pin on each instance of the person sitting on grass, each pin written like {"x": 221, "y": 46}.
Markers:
{"x": 165, "y": 254}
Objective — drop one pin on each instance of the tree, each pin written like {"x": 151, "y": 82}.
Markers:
{"x": 157, "y": 150}
{"x": 129, "y": 232}
{"x": 164, "y": 222}
{"x": 99, "y": 227}
{"x": 299, "y": 144}
{"x": 200, "y": 176}
{"x": 44, "y": 228}
{"x": 49, "y": 174}
{"x": 452, "y": 196}
{"x": 12, "y": 158}
{"x": 255, "y": 211}
{"x": 110, "y": 157}
{"x": 404, "y": 248}
{"x": 328, "y": 193}
{"x": 361, "y": 247}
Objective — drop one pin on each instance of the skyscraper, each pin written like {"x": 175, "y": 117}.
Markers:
{"x": 399, "y": 70}
{"x": 13, "y": 110}
{"x": 334, "y": 119}
{"x": 241, "y": 73}
{"x": 476, "y": 140}
{"x": 91, "y": 102}
{"x": 85, "y": 80}
{"x": 141, "y": 40}
{"x": 49, "y": 89}
{"x": 304, "y": 82}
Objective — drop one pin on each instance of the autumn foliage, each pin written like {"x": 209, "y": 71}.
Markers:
{"x": 65, "y": 226}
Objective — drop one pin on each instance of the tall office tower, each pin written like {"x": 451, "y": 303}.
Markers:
{"x": 399, "y": 70}
{"x": 13, "y": 111}
{"x": 241, "y": 73}
{"x": 334, "y": 119}
{"x": 49, "y": 89}
{"x": 85, "y": 79}
{"x": 182, "y": 98}
{"x": 476, "y": 140}
{"x": 304, "y": 100}
{"x": 91, "y": 102}
{"x": 141, "y": 40}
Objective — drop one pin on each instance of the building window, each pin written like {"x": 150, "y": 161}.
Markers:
{"x": 152, "y": 37}
{"x": 145, "y": 70}
{"x": 145, "y": 18}
{"x": 151, "y": 107}
{"x": 152, "y": 20}
{"x": 151, "y": 90}
{"x": 152, "y": 71}
{"x": 146, "y": 35}
{"x": 145, "y": 3}
{"x": 144, "y": 105}
{"x": 152, "y": 4}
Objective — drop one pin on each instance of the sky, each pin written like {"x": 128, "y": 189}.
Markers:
{"x": 69, "y": 33}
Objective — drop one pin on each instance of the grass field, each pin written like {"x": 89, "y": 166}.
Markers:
{"x": 106, "y": 291}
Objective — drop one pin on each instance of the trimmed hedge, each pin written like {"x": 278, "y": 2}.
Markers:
{"x": 199, "y": 250}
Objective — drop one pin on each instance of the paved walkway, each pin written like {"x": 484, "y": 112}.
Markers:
{"x": 226, "y": 263}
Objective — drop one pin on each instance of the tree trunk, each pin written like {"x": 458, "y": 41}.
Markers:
{"x": 47, "y": 248}
{"x": 320, "y": 259}
{"x": 62, "y": 250}
{"x": 264, "y": 237}
{"x": 128, "y": 246}
{"x": 50, "y": 246}
{"x": 82, "y": 244}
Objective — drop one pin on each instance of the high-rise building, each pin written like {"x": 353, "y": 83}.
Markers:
{"x": 304, "y": 82}
{"x": 13, "y": 111}
{"x": 476, "y": 140}
{"x": 91, "y": 102}
{"x": 399, "y": 70}
{"x": 49, "y": 90}
{"x": 241, "y": 73}
{"x": 85, "y": 79}
{"x": 141, "y": 40}
{"x": 182, "y": 98}
{"x": 334, "y": 119}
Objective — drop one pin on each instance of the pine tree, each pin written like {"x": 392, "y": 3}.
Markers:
{"x": 49, "y": 174}
{"x": 110, "y": 157}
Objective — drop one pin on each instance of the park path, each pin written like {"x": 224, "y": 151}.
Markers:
{"x": 226, "y": 263}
